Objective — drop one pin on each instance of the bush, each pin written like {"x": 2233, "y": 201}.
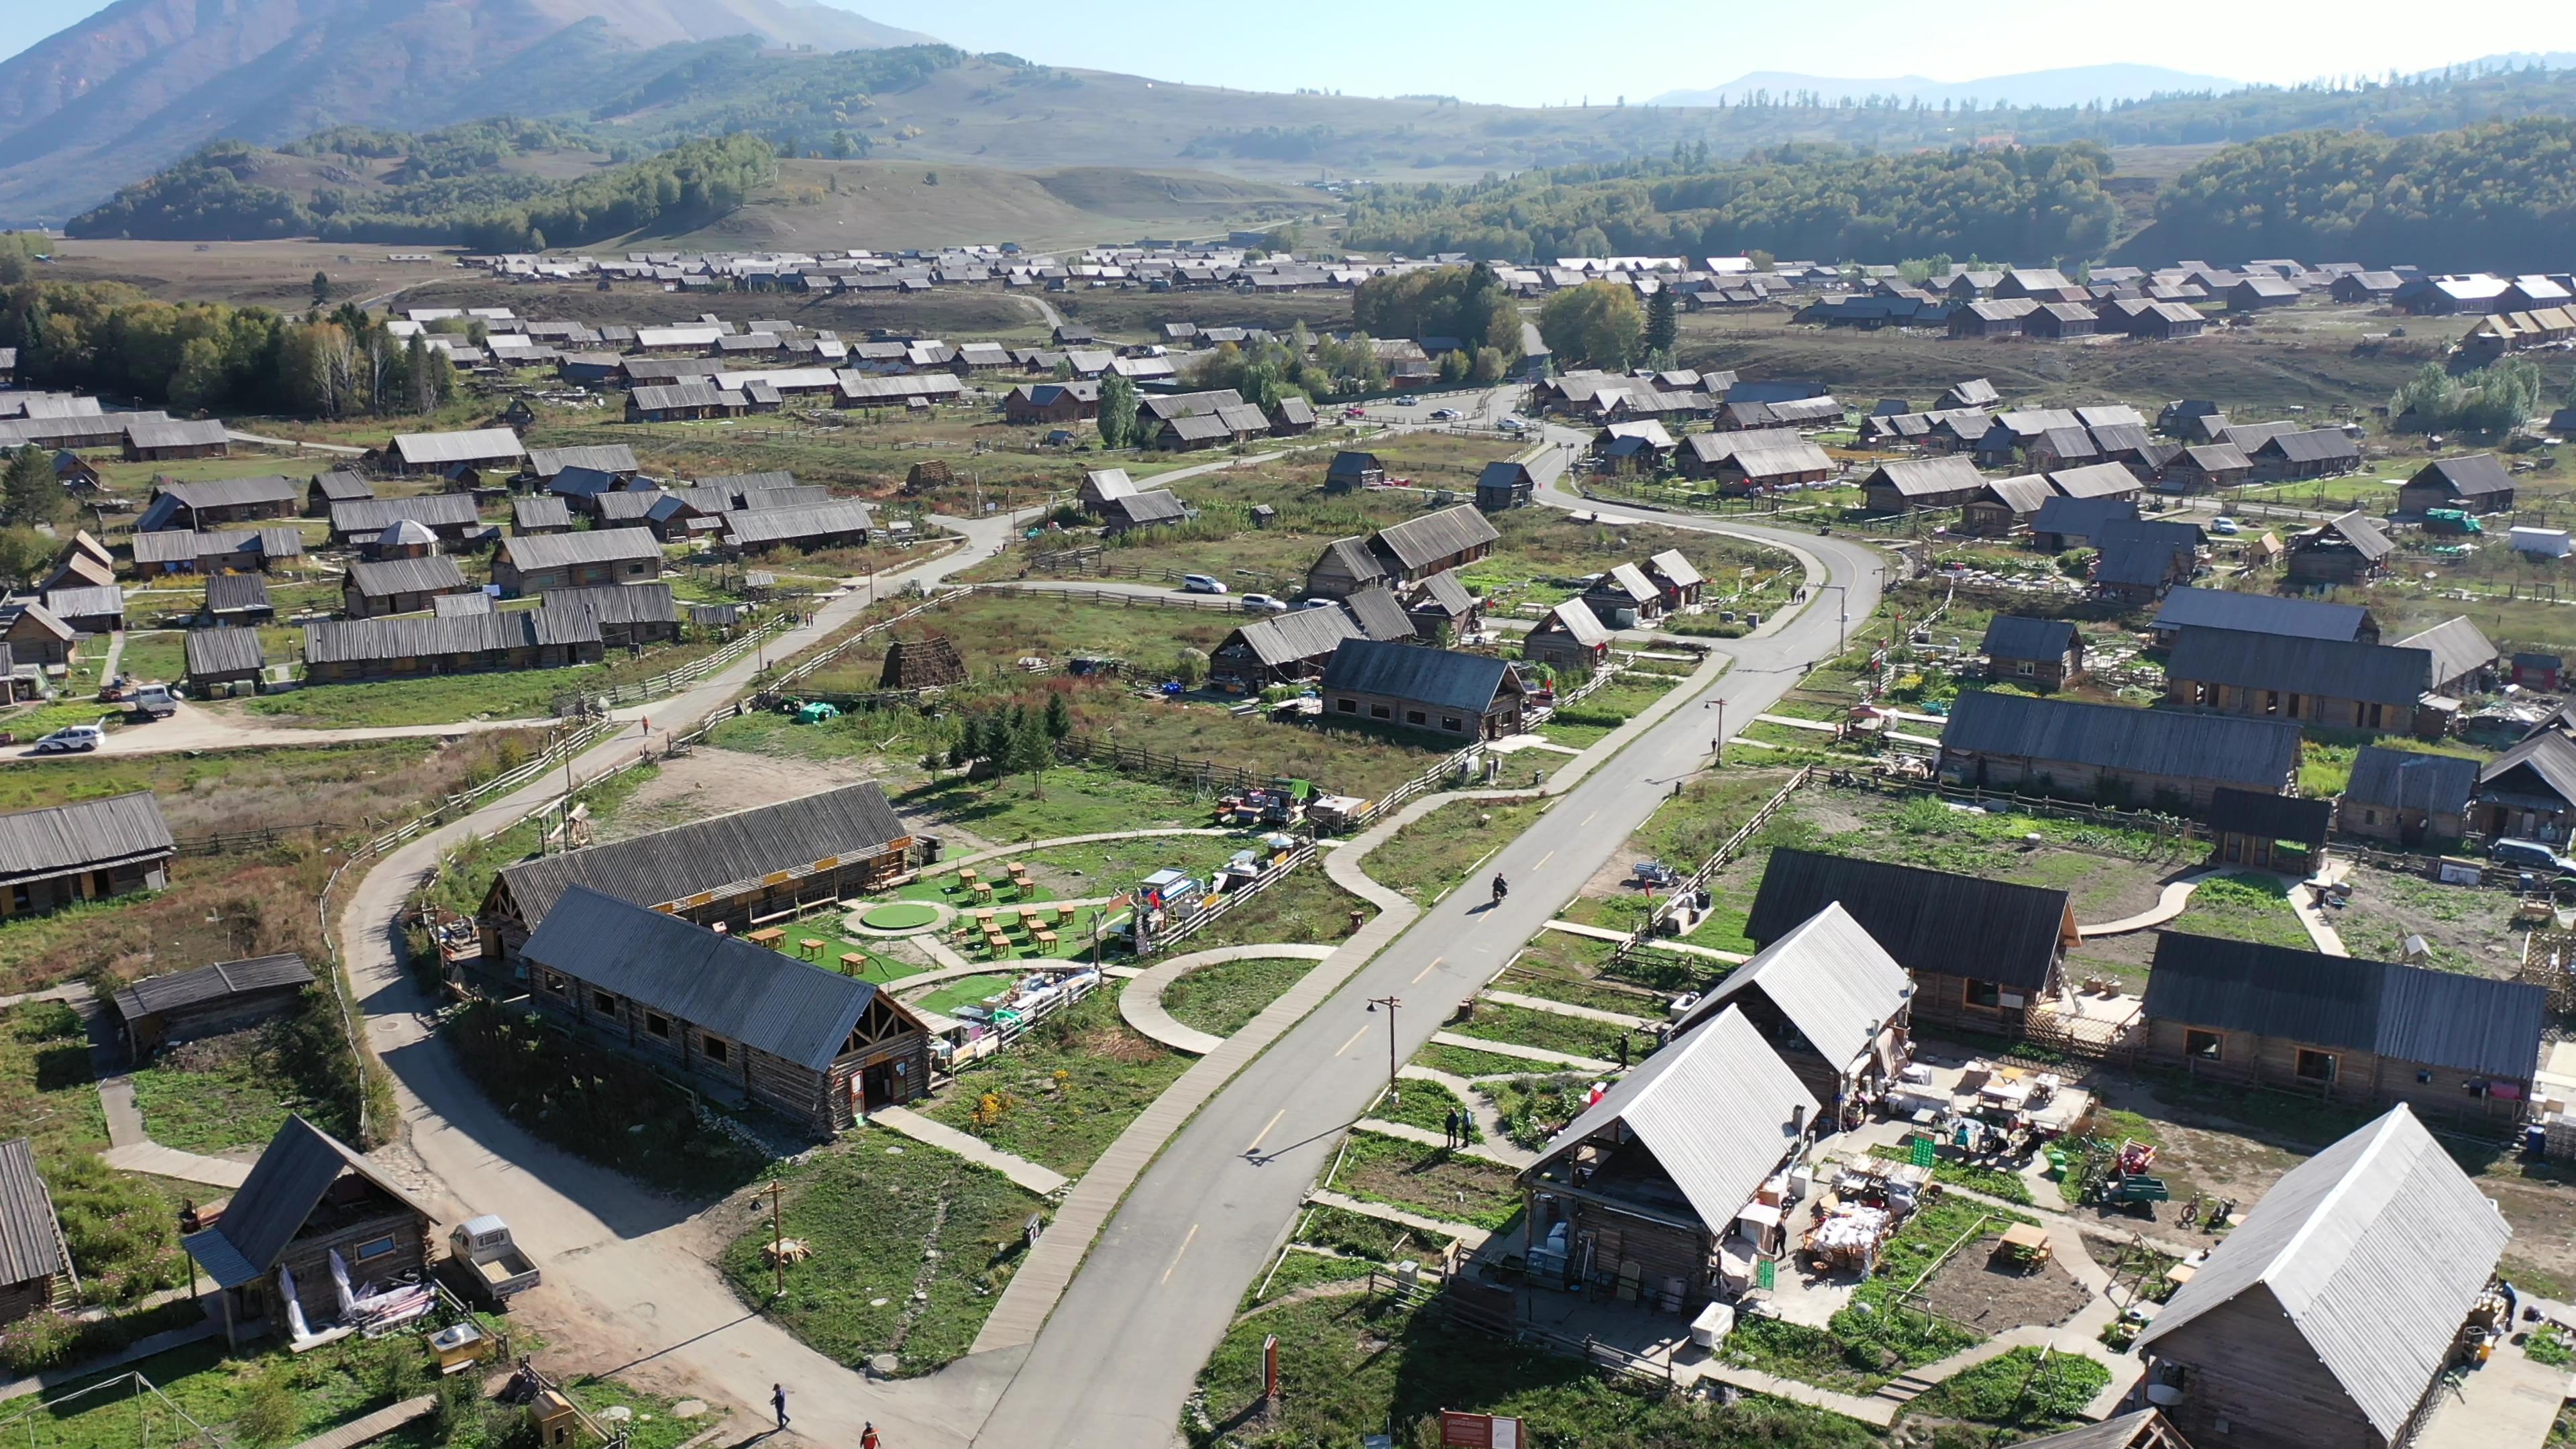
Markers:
{"x": 122, "y": 1234}
{"x": 39, "y": 1022}
{"x": 267, "y": 1414}
{"x": 48, "y": 1340}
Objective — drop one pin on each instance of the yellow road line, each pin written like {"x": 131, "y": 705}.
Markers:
{"x": 1355, "y": 1039}
{"x": 1185, "y": 1247}
{"x": 1265, "y": 1129}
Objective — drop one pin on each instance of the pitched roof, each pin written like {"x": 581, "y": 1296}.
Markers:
{"x": 421, "y": 636}
{"x": 1419, "y": 542}
{"x": 1625, "y": 581}
{"x": 2374, "y": 1249}
{"x": 2260, "y": 614}
{"x": 2128, "y": 1431}
{"x": 1299, "y": 634}
{"x": 2010, "y": 636}
{"x": 232, "y": 492}
{"x": 31, "y": 1243}
{"x": 175, "y": 433}
{"x": 1921, "y": 477}
{"x": 1716, "y": 1108}
{"x": 2443, "y": 1019}
{"x": 748, "y": 482}
{"x": 787, "y": 525}
{"x": 1576, "y": 620}
{"x": 2457, "y": 647}
{"x": 382, "y": 578}
{"x": 213, "y": 652}
{"x": 2096, "y": 480}
{"x": 2336, "y": 669}
{"x": 1674, "y": 569}
{"x": 599, "y": 545}
{"x": 2475, "y": 476}
{"x": 2024, "y": 495}
{"x": 2139, "y": 742}
{"x": 764, "y": 999}
{"x": 2083, "y": 516}
{"x": 2548, "y": 755}
{"x": 1379, "y": 614}
{"x": 284, "y": 1187}
{"x": 1442, "y": 678}
{"x": 2235, "y": 811}
{"x": 1828, "y": 976}
{"x": 87, "y": 602}
{"x": 1928, "y": 920}
{"x": 2311, "y": 445}
{"x": 175, "y": 989}
{"x": 375, "y": 515}
{"x": 235, "y": 593}
{"x": 470, "y": 446}
{"x": 541, "y": 512}
{"x": 713, "y": 854}
{"x": 1443, "y": 591}
{"x": 619, "y": 603}
{"x": 2411, "y": 780}
{"x": 52, "y": 839}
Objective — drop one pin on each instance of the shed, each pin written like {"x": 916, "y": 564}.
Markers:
{"x": 224, "y": 659}
{"x": 1351, "y": 471}
{"x": 399, "y": 585}
{"x": 1438, "y": 690}
{"x": 2262, "y": 831}
{"x": 238, "y": 600}
{"x": 32, "y": 1252}
{"x": 1568, "y": 635}
{"x": 2047, "y": 653}
{"x": 2477, "y": 483}
{"x": 182, "y": 1006}
{"x": 57, "y": 855}
{"x": 2465, "y": 660}
{"x": 336, "y": 486}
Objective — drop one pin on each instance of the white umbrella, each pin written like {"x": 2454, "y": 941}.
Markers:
{"x": 340, "y": 1280}
{"x": 296, "y": 1329}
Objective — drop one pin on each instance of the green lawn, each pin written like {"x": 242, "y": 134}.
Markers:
{"x": 122, "y": 1229}
{"x": 1300, "y": 1268}
{"x": 443, "y": 699}
{"x": 873, "y": 1207}
{"x": 1426, "y": 1105}
{"x": 2244, "y": 907}
{"x": 1432, "y": 1181}
{"x": 1354, "y": 1365}
{"x": 1220, "y": 999}
{"x": 1574, "y": 1035}
{"x": 302, "y": 1395}
{"x": 223, "y": 1092}
{"x": 1432, "y": 856}
{"x": 1467, "y": 1062}
{"x": 2017, "y": 1391}
{"x": 964, "y": 991}
{"x": 1305, "y": 907}
{"x": 1066, "y": 1089}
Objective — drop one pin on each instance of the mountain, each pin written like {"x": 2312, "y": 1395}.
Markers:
{"x": 2071, "y": 86}
{"x": 143, "y": 82}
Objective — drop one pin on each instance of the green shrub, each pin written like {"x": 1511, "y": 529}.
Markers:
{"x": 37, "y": 1022}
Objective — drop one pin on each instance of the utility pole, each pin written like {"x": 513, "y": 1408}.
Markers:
{"x": 1393, "y": 1096}
{"x": 777, "y": 1239}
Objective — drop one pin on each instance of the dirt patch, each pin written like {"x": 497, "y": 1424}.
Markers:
{"x": 1990, "y": 1294}
{"x": 2465, "y": 929}
{"x": 707, "y": 782}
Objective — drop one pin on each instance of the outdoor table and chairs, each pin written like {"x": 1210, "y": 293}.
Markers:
{"x": 769, "y": 937}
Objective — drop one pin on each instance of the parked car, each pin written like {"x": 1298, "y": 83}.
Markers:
{"x": 70, "y": 738}
{"x": 1444, "y": 415}
{"x": 1263, "y": 604}
{"x": 1514, "y": 423}
{"x": 1406, "y": 402}
{"x": 1316, "y": 603}
{"x": 2224, "y": 525}
{"x": 1355, "y": 411}
{"x": 2529, "y": 854}
{"x": 1201, "y": 584}
{"x": 490, "y": 1261}
{"x": 152, "y": 701}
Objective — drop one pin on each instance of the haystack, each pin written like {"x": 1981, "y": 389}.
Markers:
{"x": 923, "y": 663}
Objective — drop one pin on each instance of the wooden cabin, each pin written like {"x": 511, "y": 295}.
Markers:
{"x": 1830, "y": 1001}
{"x": 2157, "y": 758}
{"x": 182, "y": 1006}
{"x": 309, "y": 1198}
{"x": 60, "y": 855}
{"x": 1980, "y": 951}
{"x": 32, "y": 1253}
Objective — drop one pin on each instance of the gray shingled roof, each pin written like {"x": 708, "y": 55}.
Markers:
{"x": 1417, "y": 543}
{"x": 1828, "y": 976}
{"x": 31, "y": 1244}
{"x": 2009, "y": 636}
{"x": 1927, "y": 477}
{"x": 384, "y": 578}
{"x": 342, "y": 486}
{"x": 2477, "y": 476}
{"x": 1299, "y": 634}
{"x": 2260, "y": 813}
{"x": 1441, "y": 678}
{"x": 87, "y": 602}
{"x": 542, "y": 512}
{"x": 215, "y": 652}
{"x": 236, "y": 593}
{"x": 175, "y": 433}
{"x": 605, "y": 457}
{"x": 2354, "y": 528}
{"x": 2410, "y": 780}
{"x": 2260, "y": 753}
{"x": 1379, "y": 614}
{"x": 764, "y": 999}
{"x": 1714, "y": 1108}
{"x": 599, "y": 545}
{"x": 2374, "y": 1249}
{"x": 2458, "y": 649}
{"x": 714, "y": 854}
{"x": 1579, "y": 622}
{"x": 2083, "y": 517}
{"x": 233, "y": 492}
{"x": 417, "y": 636}
{"x": 375, "y": 515}
{"x": 2549, "y": 756}
{"x": 2338, "y": 669}
{"x": 284, "y": 1187}
{"x": 2099, "y": 480}
{"x": 2025, "y": 495}
{"x": 470, "y": 446}
{"x": 52, "y": 839}
{"x": 619, "y": 603}
{"x": 1929, "y": 920}
{"x": 154, "y": 994}
{"x": 2260, "y": 614}
{"x": 790, "y": 525}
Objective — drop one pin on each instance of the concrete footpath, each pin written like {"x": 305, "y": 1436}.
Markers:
{"x": 1044, "y": 1181}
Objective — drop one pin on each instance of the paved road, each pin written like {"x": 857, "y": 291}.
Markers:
{"x": 620, "y": 1263}
{"x": 1115, "y": 1364}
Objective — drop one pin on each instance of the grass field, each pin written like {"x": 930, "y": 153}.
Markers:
{"x": 887, "y": 1218}
{"x": 256, "y": 1396}
{"x": 218, "y": 1093}
{"x": 1430, "y": 857}
{"x": 1065, "y": 1090}
{"x": 1432, "y": 1181}
{"x": 1220, "y": 999}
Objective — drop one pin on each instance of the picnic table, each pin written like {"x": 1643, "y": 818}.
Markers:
{"x": 2028, "y": 1244}
{"x": 965, "y": 875}
{"x": 1046, "y": 940}
{"x": 769, "y": 937}
{"x": 983, "y": 890}
{"x": 809, "y": 946}
{"x": 853, "y": 964}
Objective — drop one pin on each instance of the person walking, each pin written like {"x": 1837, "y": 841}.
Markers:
{"x": 868, "y": 1437}
{"x": 778, "y": 1403}
{"x": 1450, "y": 1139}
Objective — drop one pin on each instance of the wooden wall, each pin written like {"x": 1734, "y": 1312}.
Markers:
{"x": 2362, "y": 1078}
{"x": 2246, "y": 1363}
{"x": 17, "y": 1300}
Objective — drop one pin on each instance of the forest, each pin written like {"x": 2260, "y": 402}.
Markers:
{"x": 1798, "y": 200}
{"x": 2498, "y": 197}
{"x": 438, "y": 197}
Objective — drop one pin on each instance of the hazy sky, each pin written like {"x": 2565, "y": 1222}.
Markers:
{"x": 1532, "y": 51}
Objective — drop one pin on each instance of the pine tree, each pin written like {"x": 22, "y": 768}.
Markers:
{"x": 1059, "y": 716}
{"x": 30, "y": 493}
{"x": 1663, "y": 322}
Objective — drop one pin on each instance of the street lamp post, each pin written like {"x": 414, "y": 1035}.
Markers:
{"x": 1842, "y": 616}
{"x": 1393, "y": 1096}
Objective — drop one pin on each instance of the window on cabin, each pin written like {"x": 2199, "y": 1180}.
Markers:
{"x": 1380, "y": 711}
{"x": 657, "y": 1024}
{"x": 1415, "y": 716}
{"x": 1348, "y": 706}
{"x": 1453, "y": 724}
{"x": 1984, "y": 993}
{"x": 376, "y": 1249}
{"x": 2204, "y": 1046}
{"x": 602, "y": 1001}
{"x": 714, "y": 1049}
{"x": 556, "y": 984}
{"x": 2316, "y": 1066}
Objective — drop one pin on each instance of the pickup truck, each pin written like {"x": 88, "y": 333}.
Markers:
{"x": 152, "y": 701}
{"x": 489, "y": 1261}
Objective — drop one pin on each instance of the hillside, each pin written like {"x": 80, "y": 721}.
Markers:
{"x": 142, "y": 82}
{"x": 2067, "y": 86}
{"x": 883, "y": 204}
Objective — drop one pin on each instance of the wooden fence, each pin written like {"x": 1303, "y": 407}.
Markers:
{"x": 1688, "y": 887}
{"x": 1208, "y": 911}
{"x": 1146, "y": 764}
{"x": 596, "y": 701}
